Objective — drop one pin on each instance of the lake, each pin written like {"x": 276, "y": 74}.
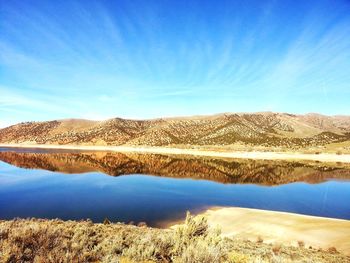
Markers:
{"x": 156, "y": 189}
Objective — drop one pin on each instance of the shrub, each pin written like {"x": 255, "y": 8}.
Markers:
{"x": 142, "y": 224}
{"x": 301, "y": 243}
{"x": 276, "y": 249}
{"x": 236, "y": 257}
{"x": 106, "y": 221}
{"x": 201, "y": 252}
{"x": 332, "y": 250}
{"x": 195, "y": 242}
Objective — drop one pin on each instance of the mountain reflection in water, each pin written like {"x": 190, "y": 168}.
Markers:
{"x": 218, "y": 170}
{"x": 155, "y": 189}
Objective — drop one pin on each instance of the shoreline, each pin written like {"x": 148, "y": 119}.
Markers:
{"x": 273, "y": 227}
{"x": 255, "y": 155}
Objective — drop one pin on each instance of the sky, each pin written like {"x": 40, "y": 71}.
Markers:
{"x": 146, "y": 59}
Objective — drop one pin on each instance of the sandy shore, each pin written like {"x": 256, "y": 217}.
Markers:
{"x": 283, "y": 228}
{"x": 323, "y": 157}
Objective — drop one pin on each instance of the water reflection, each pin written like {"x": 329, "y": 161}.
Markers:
{"x": 74, "y": 185}
{"x": 218, "y": 170}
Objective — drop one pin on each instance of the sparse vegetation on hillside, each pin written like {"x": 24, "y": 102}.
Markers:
{"x": 37, "y": 240}
{"x": 264, "y": 129}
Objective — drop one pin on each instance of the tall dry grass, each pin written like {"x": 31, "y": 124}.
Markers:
{"x": 38, "y": 240}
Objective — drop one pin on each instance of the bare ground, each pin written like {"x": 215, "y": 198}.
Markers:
{"x": 281, "y": 227}
{"x": 221, "y": 153}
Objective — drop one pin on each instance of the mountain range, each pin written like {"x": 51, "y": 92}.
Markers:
{"x": 264, "y": 129}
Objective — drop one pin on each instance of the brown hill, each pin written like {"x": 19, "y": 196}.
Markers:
{"x": 265, "y": 129}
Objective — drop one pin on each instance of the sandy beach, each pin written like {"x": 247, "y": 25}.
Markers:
{"x": 282, "y": 228}
{"x": 322, "y": 157}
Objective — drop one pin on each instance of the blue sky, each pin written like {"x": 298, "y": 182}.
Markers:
{"x": 145, "y": 59}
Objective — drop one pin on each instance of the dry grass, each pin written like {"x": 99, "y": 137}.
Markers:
{"x": 301, "y": 243}
{"x": 260, "y": 240}
{"x": 276, "y": 249}
{"x": 38, "y": 240}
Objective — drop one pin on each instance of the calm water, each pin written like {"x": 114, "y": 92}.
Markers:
{"x": 80, "y": 185}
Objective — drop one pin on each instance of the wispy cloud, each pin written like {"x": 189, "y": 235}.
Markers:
{"x": 146, "y": 59}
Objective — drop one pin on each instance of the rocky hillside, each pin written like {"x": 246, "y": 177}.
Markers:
{"x": 265, "y": 129}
